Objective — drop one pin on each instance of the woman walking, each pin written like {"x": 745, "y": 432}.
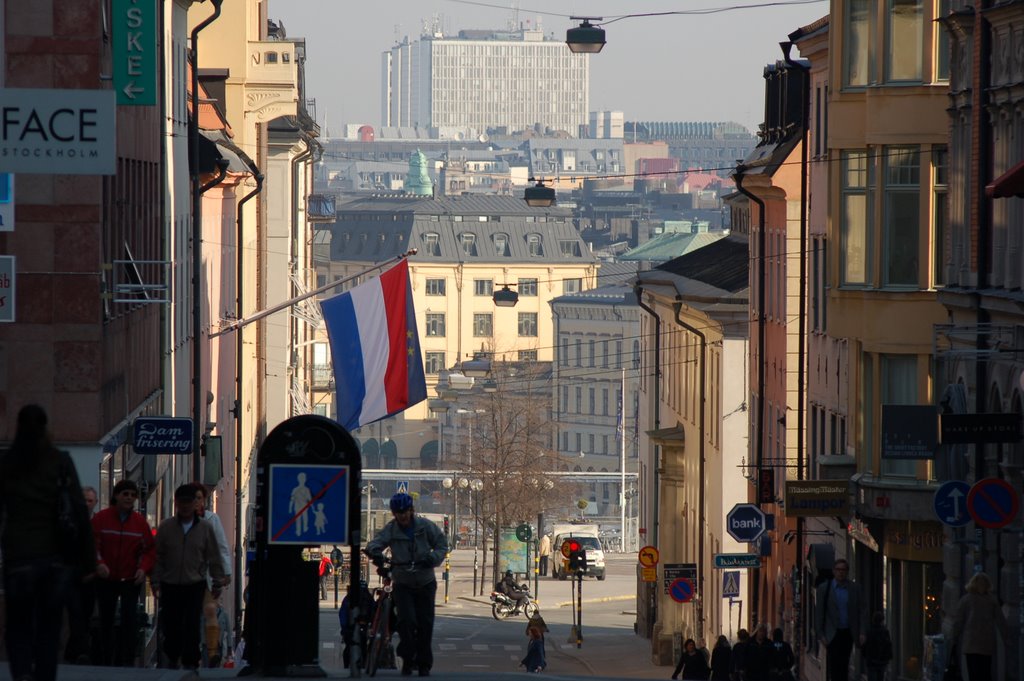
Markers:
{"x": 721, "y": 660}
{"x": 47, "y": 544}
{"x": 692, "y": 663}
{"x": 978, "y": 618}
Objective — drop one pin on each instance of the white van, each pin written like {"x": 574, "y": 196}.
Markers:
{"x": 590, "y": 543}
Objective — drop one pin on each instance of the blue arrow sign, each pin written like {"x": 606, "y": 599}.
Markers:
{"x": 951, "y": 503}
{"x": 308, "y": 504}
{"x": 745, "y": 522}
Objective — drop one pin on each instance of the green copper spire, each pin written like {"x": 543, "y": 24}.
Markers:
{"x": 417, "y": 181}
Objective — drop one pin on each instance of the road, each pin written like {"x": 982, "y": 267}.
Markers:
{"x": 468, "y": 639}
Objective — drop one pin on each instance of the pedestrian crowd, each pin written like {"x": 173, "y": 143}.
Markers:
{"x": 65, "y": 557}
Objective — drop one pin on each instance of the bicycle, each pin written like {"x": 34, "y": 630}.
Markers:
{"x": 380, "y": 631}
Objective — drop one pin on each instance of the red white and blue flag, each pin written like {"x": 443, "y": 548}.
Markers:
{"x": 378, "y": 370}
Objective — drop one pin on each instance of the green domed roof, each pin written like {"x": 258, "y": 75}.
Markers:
{"x": 417, "y": 180}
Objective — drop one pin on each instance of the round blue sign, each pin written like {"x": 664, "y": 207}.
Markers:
{"x": 681, "y": 590}
{"x": 951, "y": 503}
{"x": 993, "y": 503}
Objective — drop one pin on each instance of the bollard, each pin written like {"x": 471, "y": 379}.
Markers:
{"x": 447, "y": 571}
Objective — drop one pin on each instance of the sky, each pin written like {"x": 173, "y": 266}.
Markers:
{"x": 693, "y": 67}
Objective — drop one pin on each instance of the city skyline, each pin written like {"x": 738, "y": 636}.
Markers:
{"x": 680, "y": 57}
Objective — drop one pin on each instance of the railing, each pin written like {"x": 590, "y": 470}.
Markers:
{"x": 323, "y": 375}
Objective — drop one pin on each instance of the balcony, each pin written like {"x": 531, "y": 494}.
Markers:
{"x": 320, "y": 208}
{"x": 323, "y": 376}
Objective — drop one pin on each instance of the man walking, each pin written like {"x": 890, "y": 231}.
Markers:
{"x": 125, "y": 553}
{"x": 186, "y": 551}
{"x": 417, "y": 547}
{"x": 840, "y": 615}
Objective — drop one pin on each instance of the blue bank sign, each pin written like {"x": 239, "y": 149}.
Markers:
{"x": 746, "y": 522}
{"x": 162, "y": 435}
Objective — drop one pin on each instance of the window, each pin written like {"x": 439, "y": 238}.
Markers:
{"x": 905, "y": 38}
{"x": 579, "y": 400}
{"x": 527, "y": 287}
{"x": 856, "y": 43}
{"x": 563, "y": 355}
{"x": 901, "y": 219}
{"x": 533, "y": 245}
{"x": 940, "y": 187}
{"x": 572, "y": 285}
{"x": 579, "y": 442}
{"x": 483, "y": 287}
{"x": 942, "y": 44}
{"x": 604, "y": 401}
{"x": 482, "y": 324}
{"x": 565, "y": 398}
{"x": 818, "y": 284}
{"x": 855, "y": 200}
{"x": 527, "y": 355}
{"x": 431, "y": 244}
{"x": 579, "y": 352}
{"x": 604, "y": 354}
{"x": 569, "y": 248}
{"x": 434, "y": 361}
{"x": 435, "y": 287}
{"x": 435, "y": 323}
{"x": 528, "y": 324}
{"x": 593, "y": 402}
{"x": 592, "y": 352}
{"x": 898, "y": 379}
{"x": 320, "y": 410}
{"x": 501, "y": 245}
{"x": 468, "y": 242}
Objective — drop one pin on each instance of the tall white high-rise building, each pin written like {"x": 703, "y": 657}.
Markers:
{"x": 486, "y": 79}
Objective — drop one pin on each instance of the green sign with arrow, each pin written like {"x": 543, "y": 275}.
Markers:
{"x": 135, "y": 64}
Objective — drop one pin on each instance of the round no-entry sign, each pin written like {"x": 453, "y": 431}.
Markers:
{"x": 681, "y": 590}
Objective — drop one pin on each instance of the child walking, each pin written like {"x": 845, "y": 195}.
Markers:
{"x": 535, "y": 660}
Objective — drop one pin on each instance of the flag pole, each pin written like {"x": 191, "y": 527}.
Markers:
{"x": 236, "y": 325}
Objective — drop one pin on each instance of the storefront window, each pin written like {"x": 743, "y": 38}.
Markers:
{"x": 916, "y": 592}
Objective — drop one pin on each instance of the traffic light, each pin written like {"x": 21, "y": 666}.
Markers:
{"x": 577, "y": 557}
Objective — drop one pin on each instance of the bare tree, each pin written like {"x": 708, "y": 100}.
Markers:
{"x": 511, "y": 450}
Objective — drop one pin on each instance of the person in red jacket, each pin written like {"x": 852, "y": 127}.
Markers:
{"x": 125, "y": 554}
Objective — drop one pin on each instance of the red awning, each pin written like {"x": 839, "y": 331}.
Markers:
{"x": 1010, "y": 183}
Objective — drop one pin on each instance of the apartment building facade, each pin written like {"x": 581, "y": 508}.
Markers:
{"x": 484, "y": 80}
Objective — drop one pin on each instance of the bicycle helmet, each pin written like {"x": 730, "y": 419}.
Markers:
{"x": 401, "y": 502}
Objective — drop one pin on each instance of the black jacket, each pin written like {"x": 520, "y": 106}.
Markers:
{"x": 693, "y": 666}
{"x": 877, "y": 648}
{"x": 28, "y": 498}
{"x": 721, "y": 663}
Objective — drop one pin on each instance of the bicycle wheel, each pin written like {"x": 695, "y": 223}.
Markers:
{"x": 376, "y": 652}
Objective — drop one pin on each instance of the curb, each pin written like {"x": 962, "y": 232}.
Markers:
{"x": 606, "y": 599}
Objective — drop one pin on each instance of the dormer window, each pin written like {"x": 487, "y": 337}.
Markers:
{"x": 501, "y": 244}
{"x": 468, "y": 242}
{"x": 431, "y": 244}
{"x": 569, "y": 248}
{"x": 533, "y": 245}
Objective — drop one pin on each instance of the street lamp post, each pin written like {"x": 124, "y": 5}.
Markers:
{"x": 476, "y": 485}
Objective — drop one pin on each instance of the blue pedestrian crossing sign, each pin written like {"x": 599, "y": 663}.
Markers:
{"x": 308, "y": 504}
{"x": 402, "y": 487}
{"x": 951, "y": 503}
{"x": 731, "y": 584}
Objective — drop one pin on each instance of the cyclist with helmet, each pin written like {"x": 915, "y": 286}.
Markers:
{"x": 417, "y": 547}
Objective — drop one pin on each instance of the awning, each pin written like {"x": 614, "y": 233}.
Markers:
{"x": 1009, "y": 184}
{"x": 671, "y": 437}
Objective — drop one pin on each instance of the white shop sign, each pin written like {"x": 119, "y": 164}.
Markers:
{"x": 63, "y": 132}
